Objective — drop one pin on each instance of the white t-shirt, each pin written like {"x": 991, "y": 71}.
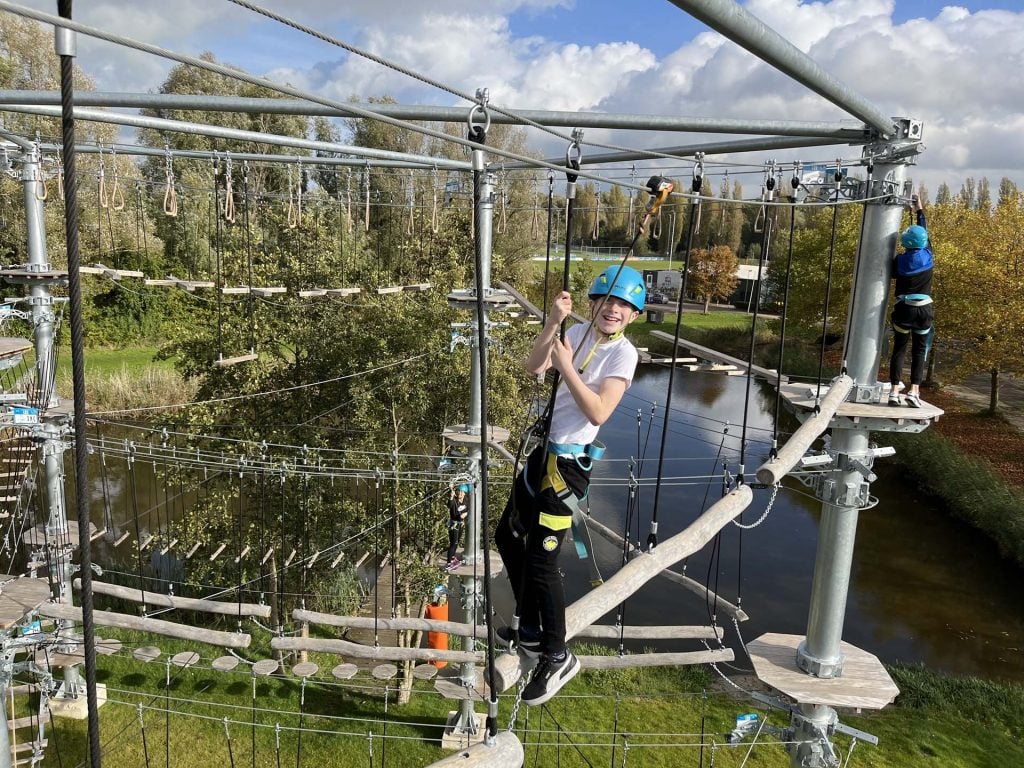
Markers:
{"x": 612, "y": 359}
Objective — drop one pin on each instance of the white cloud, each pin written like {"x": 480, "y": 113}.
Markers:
{"x": 957, "y": 70}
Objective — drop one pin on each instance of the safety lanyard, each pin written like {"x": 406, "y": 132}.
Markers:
{"x": 590, "y": 355}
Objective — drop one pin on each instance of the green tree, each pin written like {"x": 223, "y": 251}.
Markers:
{"x": 712, "y": 274}
{"x": 943, "y": 196}
{"x": 984, "y": 202}
{"x": 1007, "y": 191}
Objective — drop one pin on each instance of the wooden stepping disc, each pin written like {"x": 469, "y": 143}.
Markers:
{"x": 264, "y": 667}
{"x": 108, "y": 647}
{"x": 185, "y": 659}
{"x": 345, "y": 671}
{"x": 305, "y": 669}
{"x": 225, "y": 663}
{"x": 147, "y": 653}
{"x": 384, "y": 671}
{"x": 424, "y": 672}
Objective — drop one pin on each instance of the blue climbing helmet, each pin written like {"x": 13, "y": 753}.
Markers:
{"x": 914, "y": 236}
{"x": 623, "y": 283}
{"x": 464, "y": 488}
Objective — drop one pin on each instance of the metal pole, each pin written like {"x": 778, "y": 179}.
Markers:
{"x": 255, "y": 157}
{"x": 437, "y": 114}
{"x": 484, "y": 212}
{"x": 820, "y": 653}
{"x": 709, "y": 148}
{"x": 235, "y": 134}
{"x": 739, "y": 25}
{"x": 42, "y": 302}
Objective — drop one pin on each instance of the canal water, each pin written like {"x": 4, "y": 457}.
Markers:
{"x": 925, "y": 588}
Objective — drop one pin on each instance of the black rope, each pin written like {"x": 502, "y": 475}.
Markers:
{"x": 652, "y": 537}
{"x": 766, "y": 243}
{"x": 795, "y": 183}
{"x": 856, "y": 266}
{"x": 133, "y": 488}
{"x": 828, "y": 292}
{"x": 547, "y": 250}
{"x": 478, "y": 134}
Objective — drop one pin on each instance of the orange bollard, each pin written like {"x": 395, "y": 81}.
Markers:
{"x": 438, "y": 640}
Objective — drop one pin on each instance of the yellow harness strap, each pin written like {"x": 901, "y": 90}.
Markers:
{"x": 553, "y": 479}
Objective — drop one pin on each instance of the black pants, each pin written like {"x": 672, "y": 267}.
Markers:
{"x": 529, "y": 549}
{"x": 454, "y": 531}
{"x": 910, "y": 322}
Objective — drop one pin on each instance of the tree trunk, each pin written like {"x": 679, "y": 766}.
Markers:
{"x": 993, "y": 399}
{"x": 707, "y": 305}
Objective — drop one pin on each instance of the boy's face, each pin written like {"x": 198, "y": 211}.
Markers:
{"x": 614, "y": 315}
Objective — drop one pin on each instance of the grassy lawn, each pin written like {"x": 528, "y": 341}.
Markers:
{"x": 100, "y": 361}
{"x": 660, "y": 713}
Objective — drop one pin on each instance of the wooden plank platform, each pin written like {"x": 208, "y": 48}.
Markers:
{"x": 389, "y": 289}
{"x": 269, "y": 290}
{"x": 459, "y": 433}
{"x": 11, "y": 346}
{"x": 21, "y": 276}
{"x": 864, "y": 683}
{"x": 714, "y": 356}
{"x": 227, "y": 362}
{"x": 38, "y": 536}
{"x": 19, "y": 597}
{"x": 881, "y": 417}
{"x": 312, "y": 293}
{"x": 475, "y": 569}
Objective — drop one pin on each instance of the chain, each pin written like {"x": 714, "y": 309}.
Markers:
{"x": 764, "y": 515}
{"x": 517, "y": 703}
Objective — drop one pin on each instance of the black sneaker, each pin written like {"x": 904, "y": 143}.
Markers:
{"x": 548, "y": 678}
{"x": 528, "y": 642}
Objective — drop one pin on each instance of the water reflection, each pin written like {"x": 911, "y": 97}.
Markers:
{"x": 925, "y": 587}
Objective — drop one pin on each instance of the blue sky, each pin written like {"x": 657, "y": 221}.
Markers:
{"x": 955, "y": 66}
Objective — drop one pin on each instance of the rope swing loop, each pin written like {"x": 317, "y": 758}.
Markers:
{"x": 170, "y": 193}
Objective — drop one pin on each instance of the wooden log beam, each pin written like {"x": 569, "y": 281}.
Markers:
{"x": 657, "y": 659}
{"x": 796, "y": 447}
{"x": 692, "y": 585}
{"x": 599, "y": 601}
{"x": 505, "y": 752}
{"x": 604, "y": 632}
{"x": 154, "y": 626}
{"x": 378, "y": 653}
{"x": 185, "y": 603}
{"x": 609, "y": 632}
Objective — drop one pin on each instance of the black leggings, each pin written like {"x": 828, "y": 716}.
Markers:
{"x": 529, "y": 549}
{"x": 910, "y": 321}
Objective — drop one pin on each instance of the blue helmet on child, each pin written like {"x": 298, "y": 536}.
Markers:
{"x": 914, "y": 236}
{"x": 623, "y": 283}
{"x": 464, "y": 488}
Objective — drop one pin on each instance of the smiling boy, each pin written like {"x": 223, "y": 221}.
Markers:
{"x": 596, "y": 364}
